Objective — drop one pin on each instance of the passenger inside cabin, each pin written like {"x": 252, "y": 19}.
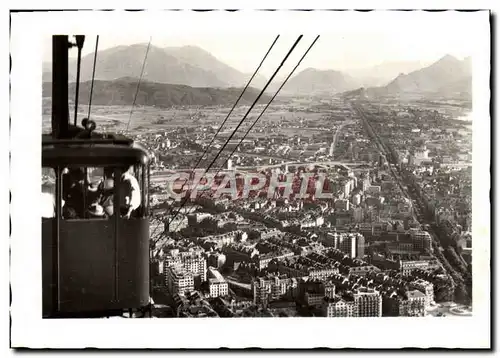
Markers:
{"x": 100, "y": 195}
{"x": 106, "y": 188}
{"x": 74, "y": 183}
{"x": 96, "y": 211}
{"x": 130, "y": 193}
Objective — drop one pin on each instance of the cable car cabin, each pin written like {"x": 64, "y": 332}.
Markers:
{"x": 95, "y": 229}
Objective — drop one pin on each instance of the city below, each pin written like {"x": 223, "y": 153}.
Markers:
{"x": 330, "y": 207}
{"x": 335, "y": 198}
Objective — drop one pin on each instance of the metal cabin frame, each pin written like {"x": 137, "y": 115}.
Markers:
{"x": 90, "y": 267}
{"x": 95, "y": 265}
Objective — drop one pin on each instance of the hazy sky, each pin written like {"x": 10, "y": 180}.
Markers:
{"x": 362, "y": 47}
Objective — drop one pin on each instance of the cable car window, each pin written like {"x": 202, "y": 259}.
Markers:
{"x": 73, "y": 192}
{"x": 86, "y": 192}
{"x": 48, "y": 193}
{"x": 89, "y": 192}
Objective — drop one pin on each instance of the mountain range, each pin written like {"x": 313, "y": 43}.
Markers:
{"x": 187, "y": 65}
{"x": 448, "y": 76}
{"x": 316, "y": 81}
{"x": 196, "y": 68}
{"x": 383, "y": 73}
{"x": 432, "y": 78}
{"x": 122, "y": 92}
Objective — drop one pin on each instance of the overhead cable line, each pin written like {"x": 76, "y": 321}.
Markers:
{"x": 255, "y": 102}
{"x": 232, "y": 109}
{"x": 139, "y": 83}
{"x": 230, "y": 112}
{"x": 272, "y": 99}
{"x": 244, "y": 117}
{"x": 228, "y": 115}
{"x": 80, "y": 39}
{"x": 265, "y": 108}
{"x": 93, "y": 75}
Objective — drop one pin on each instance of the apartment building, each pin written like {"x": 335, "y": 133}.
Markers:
{"x": 337, "y": 307}
{"x": 178, "y": 280}
{"x": 367, "y": 303}
{"x": 216, "y": 283}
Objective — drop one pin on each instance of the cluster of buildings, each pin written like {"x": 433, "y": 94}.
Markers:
{"x": 424, "y": 135}
{"x": 331, "y": 269}
{"x": 434, "y": 145}
{"x": 447, "y": 192}
{"x": 358, "y": 251}
{"x": 339, "y": 296}
{"x": 335, "y": 280}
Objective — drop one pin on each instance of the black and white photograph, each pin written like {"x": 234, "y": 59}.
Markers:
{"x": 324, "y": 169}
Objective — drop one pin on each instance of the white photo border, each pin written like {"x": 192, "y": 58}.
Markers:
{"x": 30, "y": 330}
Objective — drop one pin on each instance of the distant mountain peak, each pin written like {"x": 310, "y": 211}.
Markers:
{"x": 447, "y": 76}
{"x": 201, "y": 58}
{"x": 312, "y": 80}
{"x": 185, "y": 65}
{"x": 447, "y": 59}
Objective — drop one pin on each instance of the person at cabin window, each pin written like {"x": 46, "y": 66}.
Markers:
{"x": 100, "y": 196}
{"x": 130, "y": 197}
{"x": 93, "y": 201}
{"x": 74, "y": 182}
{"x": 96, "y": 211}
{"x": 107, "y": 190}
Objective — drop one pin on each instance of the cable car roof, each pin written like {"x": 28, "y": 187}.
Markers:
{"x": 100, "y": 151}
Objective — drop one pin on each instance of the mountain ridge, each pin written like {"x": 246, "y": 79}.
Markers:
{"x": 195, "y": 67}
{"x": 446, "y": 76}
{"x": 122, "y": 92}
{"x": 174, "y": 65}
{"x": 311, "y": 80}
{"x": 382, "y": 73}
